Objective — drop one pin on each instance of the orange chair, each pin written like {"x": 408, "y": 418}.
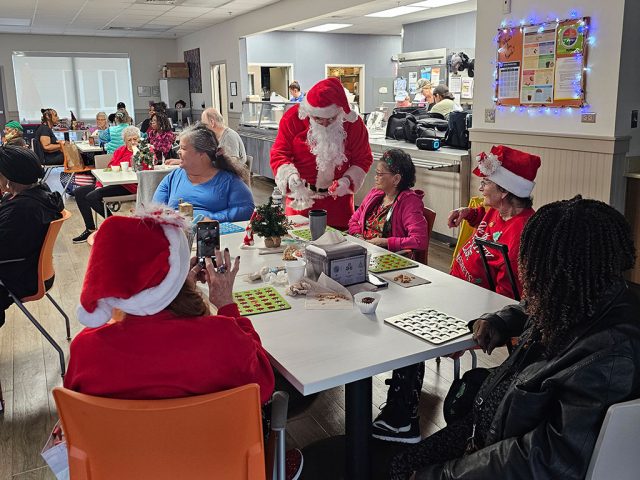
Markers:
{"x": 218, "y": 435}
{"x": 422, "y": 256}
{"x": 46, "y": 274}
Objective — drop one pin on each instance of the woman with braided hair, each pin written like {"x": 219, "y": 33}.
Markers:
{"x": 207, "y": 179}
{"x": 539, "y": 413}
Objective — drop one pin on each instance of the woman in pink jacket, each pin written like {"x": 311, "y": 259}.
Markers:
{"x": 391, "y": 215}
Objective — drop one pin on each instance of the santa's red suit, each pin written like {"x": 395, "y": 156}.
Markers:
{"x": 326, "y": 183}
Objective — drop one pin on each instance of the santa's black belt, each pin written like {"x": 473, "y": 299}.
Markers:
{"x": 313, "y": 188}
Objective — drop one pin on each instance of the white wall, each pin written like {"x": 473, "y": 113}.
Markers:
{"x": 372, "y": 51}
{"x": 455, "y": 32}
{"x": 629, "y": 87}
{"x": 225, "y": 41}
{"x": 146, "y": 58}
{"x": 603, "y": 58}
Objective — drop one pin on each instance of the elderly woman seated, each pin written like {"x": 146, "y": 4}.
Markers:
{"x": 539, "y": 413}
{"x": 391, "y": 215}
{"x": 26, "y": 210}
{"x": 90, "y": 197}
{"x": 165, "y": 343}
{"x": 207, "y": 179}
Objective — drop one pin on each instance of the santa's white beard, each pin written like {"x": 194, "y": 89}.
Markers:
{"x": 327, "y": 144}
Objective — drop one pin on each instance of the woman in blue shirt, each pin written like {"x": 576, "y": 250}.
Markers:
{"x": 207, "y": 179}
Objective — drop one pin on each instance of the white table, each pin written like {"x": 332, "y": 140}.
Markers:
{"x": 122, "y": 178}
{"x": 317, "y": 350}
{"x": 86, "y": 147}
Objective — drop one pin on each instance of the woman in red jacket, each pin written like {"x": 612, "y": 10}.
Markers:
{"x": 391, "y": 215}
{"x": 167, "y": 345}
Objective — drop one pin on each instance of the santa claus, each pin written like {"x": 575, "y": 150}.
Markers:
{"x": 321, "y": 154}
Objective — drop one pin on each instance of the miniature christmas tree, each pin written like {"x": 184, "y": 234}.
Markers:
{"x": 269, "y": 221}
{"x": 144, "y": 156}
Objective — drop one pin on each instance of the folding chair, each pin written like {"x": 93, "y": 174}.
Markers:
{"x": 46, "y": 274}
{"x": 218, "y": 435}
{"x": 615, "y": 454}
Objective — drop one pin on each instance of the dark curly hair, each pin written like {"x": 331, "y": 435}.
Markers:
{"x": 164, "y": 124}
{"x": 399, "y": 162}
{"x": 571, "y": 251}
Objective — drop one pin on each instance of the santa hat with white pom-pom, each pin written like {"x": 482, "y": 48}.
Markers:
{"x": 137, "y": 264}
{"x": 512, "y": 169}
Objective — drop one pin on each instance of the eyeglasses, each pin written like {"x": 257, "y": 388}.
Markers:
{"x": 484, "y": 183}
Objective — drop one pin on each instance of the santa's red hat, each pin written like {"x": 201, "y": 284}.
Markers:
{"x": 325, "y": 99}
{"x": 137, "y": 264}
{"x": 512, "y": 169}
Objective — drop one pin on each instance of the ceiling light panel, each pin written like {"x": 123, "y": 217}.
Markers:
{"x": 328, "y": 27}
{"x": 435, "y": 3}
{"x": 395, "y": 12}
{"x": 15, "y": 22}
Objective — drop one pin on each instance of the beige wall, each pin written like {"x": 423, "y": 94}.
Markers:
{"x": 146, "y": 57}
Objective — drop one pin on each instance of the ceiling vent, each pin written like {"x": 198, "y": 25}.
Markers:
{"x": 159, "y": 2}
{"x": 156, "y": 29}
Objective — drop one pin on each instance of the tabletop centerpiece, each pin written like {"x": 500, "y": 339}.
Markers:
{"x": 143, "y": 157}
{"x": 269, "y": 221}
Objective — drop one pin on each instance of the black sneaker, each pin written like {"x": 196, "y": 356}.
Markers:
{"x": 83, "y": 236}
{"x": 405, "y": 434}
{"x": 393, "y": 418}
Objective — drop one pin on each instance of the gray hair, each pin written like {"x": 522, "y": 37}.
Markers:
{"x": 203, "y": 140}
{"x": 130, "y": 131}
{"x": 213, "y": 115}
{"x": 101, "y": 113}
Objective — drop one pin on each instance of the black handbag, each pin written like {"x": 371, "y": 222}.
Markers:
{"x": 459, "y": 400}
{"x": 395, "y": 126}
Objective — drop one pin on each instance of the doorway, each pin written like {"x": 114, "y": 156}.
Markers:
{"x": 219, "y": 89}
{"x": 265, "y": 79}
{"x": 352, "y": 78}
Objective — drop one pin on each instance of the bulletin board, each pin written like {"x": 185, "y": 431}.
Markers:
{"x": 543, "y": 65}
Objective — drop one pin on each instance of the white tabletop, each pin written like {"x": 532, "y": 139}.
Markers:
{"x": 122, "y": 178}
{"x": 316, "y": 350}
{"x": 86, "y": 147}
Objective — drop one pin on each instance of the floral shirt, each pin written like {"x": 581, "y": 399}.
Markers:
{"x": 161, "y": 141}
{"x": 374, "y": 225}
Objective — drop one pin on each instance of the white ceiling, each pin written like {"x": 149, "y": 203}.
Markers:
{"x": 121, "y": 18}
{"x": 384, "y": 26}
{"x": 135, "y": 18}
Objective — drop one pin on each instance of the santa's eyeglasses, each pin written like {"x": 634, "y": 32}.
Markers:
{"x": 324, "y": 120}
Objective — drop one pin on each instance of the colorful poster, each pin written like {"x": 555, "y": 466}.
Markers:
{"x": 571, "y": 38}
{"x": 435, "y": 76}
{"x": 538, "y": 64}
{"x": 425, "y": 73}
{"x": 509, "y": 80}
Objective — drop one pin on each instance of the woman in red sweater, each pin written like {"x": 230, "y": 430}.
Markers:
{"x": 166, "y": 343}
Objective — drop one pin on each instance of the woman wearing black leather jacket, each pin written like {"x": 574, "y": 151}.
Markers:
{"x": 538, "y": 415}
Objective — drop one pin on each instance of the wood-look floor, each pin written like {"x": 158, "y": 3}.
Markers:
{"x": 29, "y": 366}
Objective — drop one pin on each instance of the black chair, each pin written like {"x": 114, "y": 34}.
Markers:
{"x": 504, "y": 250}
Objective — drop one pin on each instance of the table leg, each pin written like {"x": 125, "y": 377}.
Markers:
{"x": 358, "y": 398}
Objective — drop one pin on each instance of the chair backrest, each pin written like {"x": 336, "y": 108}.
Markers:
{"x": 616, "y": 451}
{"x": 504, "y": 250}
{"x": 250, "y": 163}
{"x": 465, "y": 230}
{"x": 102, "y": 161}
{"x": 422, "y": 256}
{"x": 148, "y": 181}
{"x": 218, "y": 435}
{"x": 45, "y": 261}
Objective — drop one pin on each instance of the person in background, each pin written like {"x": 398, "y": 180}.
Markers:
{"x": 160, "y": 135}
{"x": 47, "y": 146}
{"x": 539, "y": 413}
{"x": 445, "y": 103}
{"x": 13, "y": 134}
{"x": 207, "y": 179}
{"x": 228, "y": 139}
{"x": 180, "y": 104}
{"x": 112, "y": 137}
{"x": 321, "y": 154}
{"x": 101, "y": 123}
{"x": 26, "y": 210}
{"x": 424, "y": 94}
{"x": 403, "y": 99}
{"x": 391, "y": 215}
{"x": 89, "y": 197}
{"x": 507, "y": 182}
{"x": 153, "y": 107}
{"x": 295, "y": 92}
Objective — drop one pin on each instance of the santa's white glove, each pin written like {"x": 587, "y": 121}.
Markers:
{"x": 294, "y": 181}
{"x": 340, "y": 187}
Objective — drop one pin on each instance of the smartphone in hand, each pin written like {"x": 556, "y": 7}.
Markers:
{"x": 207, "y": 239}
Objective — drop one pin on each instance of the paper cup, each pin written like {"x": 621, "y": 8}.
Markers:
{"x": 367, "y": 302}
{"x": 115, "y": 168}
{"x": 124, "y": 166}
{"x": 295, "y": 270}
